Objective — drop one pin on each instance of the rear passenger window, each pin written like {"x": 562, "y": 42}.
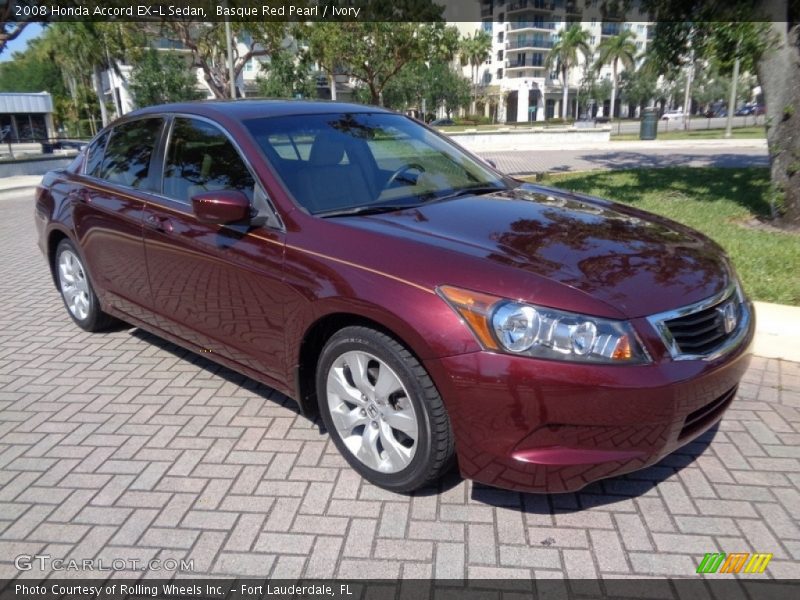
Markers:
{"x": 200, "y": 158}
{"x": 128, "y": 153}
{"x": 94, "y": 155}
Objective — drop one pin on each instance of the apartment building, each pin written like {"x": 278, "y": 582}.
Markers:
{"x": 523, "y": 33}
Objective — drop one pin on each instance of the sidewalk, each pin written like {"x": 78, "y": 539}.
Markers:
{"x": 18, "y": 184}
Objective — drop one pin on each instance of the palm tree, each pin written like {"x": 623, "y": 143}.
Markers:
{"x": 564, "y": 55}
{"x": 614, "y": 50}
{"x": 475, "y": 50}
{"x": 89, "y": 52}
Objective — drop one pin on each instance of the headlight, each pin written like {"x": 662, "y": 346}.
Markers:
{"x": 529, "y": 330}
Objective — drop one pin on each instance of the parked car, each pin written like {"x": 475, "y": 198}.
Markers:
{"x": 750, "y": 109}
{"x": 672, "y": 115}
{"x": 442, "y": 122}
{"x": 431, "y": 309}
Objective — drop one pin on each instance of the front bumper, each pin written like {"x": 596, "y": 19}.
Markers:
{"x": 544, "y": 426}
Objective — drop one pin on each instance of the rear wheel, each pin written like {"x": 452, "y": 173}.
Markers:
{"x": 382, "y": 410}
{"x": 77, "y": 291}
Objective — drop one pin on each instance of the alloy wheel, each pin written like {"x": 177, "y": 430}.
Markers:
{"x": 74, "y": 285}
{"x": 372, "y": 411}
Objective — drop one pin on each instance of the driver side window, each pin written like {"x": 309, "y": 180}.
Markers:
{"x": 200, "y": 158}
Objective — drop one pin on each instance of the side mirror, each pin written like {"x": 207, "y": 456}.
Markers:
{"x": 221, "y": 207}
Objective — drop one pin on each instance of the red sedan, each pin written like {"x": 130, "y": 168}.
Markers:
{"x": 429, "y": 308}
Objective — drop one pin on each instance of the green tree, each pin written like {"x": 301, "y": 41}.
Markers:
{"x": 288, "y": 76}
{"x": 31, "y": 71}
{"x": 438, "y": 84}
{"x": 564, "y": 55}
{"x": 614, "y": 50}
{"x": 161, "y": 77}
{"x": 374, "y": 52}
{"x": 474, "y": 50}
{"x": 92, "y": 49}
{"x": 639, "y": 87}
{"x": 208, "y": 47}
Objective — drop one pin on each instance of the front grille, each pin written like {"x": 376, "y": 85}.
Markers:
{"x": 704, "y": 331}
{"x": 703, "y": 416}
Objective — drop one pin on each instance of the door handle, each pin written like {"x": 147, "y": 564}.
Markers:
{"x": 162, "y": 224}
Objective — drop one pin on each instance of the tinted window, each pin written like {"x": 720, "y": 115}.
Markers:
{"x": 127, "y": 157}
{"x": 200, "y": 158}
{"x": 331, "y": 162}
{"x": 94, "y": 156}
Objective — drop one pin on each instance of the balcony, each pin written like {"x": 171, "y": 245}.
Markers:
{"x": 611, "y": 29}
{"x": 532, "y": 5}
{"x": 528, "y": 63}
{"x": 530, "y": 43}
{"x": 518, "y": 25}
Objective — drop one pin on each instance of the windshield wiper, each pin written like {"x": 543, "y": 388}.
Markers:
{"x": 375, "y": 209}
{"x": 469, "y": 191}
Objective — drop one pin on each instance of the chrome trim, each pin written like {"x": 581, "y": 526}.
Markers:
{"x": 658, "y": 321}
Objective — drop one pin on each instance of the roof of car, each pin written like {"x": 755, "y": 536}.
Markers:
{"x": 253, "y": 108}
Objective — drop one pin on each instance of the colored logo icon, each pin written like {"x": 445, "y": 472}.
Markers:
{"x": 741, "y": 562}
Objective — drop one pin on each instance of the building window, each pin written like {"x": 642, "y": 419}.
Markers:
{"x": 594, "y": 22}
{"x": 638, "y": 45}
{"x": 501, "y": 18}
{"x": 593, "y": 41}
{"x": 537, "y": 60}
{"x": 249, "y": 66}
{"x": 640, "y": 28}
{"x": 499, "y": 74}
{"x": 499, "y": 55}
{"x": 500, "y": 37}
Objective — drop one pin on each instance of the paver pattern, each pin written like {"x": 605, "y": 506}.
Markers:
{"x": 121, "y": 446}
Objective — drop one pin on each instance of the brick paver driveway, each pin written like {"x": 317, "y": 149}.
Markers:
{"x": 122, "y": 446}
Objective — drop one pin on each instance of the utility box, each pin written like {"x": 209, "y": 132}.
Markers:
{"x": 648, "y": 130}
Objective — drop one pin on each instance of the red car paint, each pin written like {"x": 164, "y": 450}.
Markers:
{"x": 256, "y": 299}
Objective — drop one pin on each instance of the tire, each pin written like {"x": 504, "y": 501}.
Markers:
{"x": 76, "y": 290}
{"x": 369, "y": 386}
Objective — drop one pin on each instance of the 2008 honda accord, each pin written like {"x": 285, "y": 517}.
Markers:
{"x": 430, "y": 309}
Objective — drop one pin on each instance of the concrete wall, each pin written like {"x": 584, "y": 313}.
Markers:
{"x": 500, "y": 141}
{"x": 34, "y": 166}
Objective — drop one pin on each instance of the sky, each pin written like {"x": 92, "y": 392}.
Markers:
{"x": 19, "y": 44}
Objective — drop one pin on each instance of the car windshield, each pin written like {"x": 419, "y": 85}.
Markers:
{"x": 340, "y": 162}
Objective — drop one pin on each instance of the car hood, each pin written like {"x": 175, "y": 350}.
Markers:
{"x": 634, "y": 261}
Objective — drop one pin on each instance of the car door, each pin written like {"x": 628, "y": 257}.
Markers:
{"x": 217, "y": 286}
{"x": 108, "y": 207}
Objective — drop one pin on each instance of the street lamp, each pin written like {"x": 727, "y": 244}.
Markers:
{"x": 231, "y": 74}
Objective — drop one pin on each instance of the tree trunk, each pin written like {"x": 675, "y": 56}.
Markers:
{"x": 565, "y": 96}
{"x": 375, "y": 95}
{"x": 97, "y": 83}
{"x": 613, "y": 90}
{"x": 332, "y": 82}
{"x": 779, "y": 76}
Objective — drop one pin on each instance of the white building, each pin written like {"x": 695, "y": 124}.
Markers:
{"x": 524, "y": 31}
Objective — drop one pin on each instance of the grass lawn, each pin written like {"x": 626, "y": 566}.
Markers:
{"x": 696, "y": 134}
{"x": 717, "y": 202}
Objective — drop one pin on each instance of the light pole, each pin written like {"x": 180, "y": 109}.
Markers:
{"x": 231, "y": 73}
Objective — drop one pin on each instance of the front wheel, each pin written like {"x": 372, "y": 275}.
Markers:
{"x": 382, "y": 410}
